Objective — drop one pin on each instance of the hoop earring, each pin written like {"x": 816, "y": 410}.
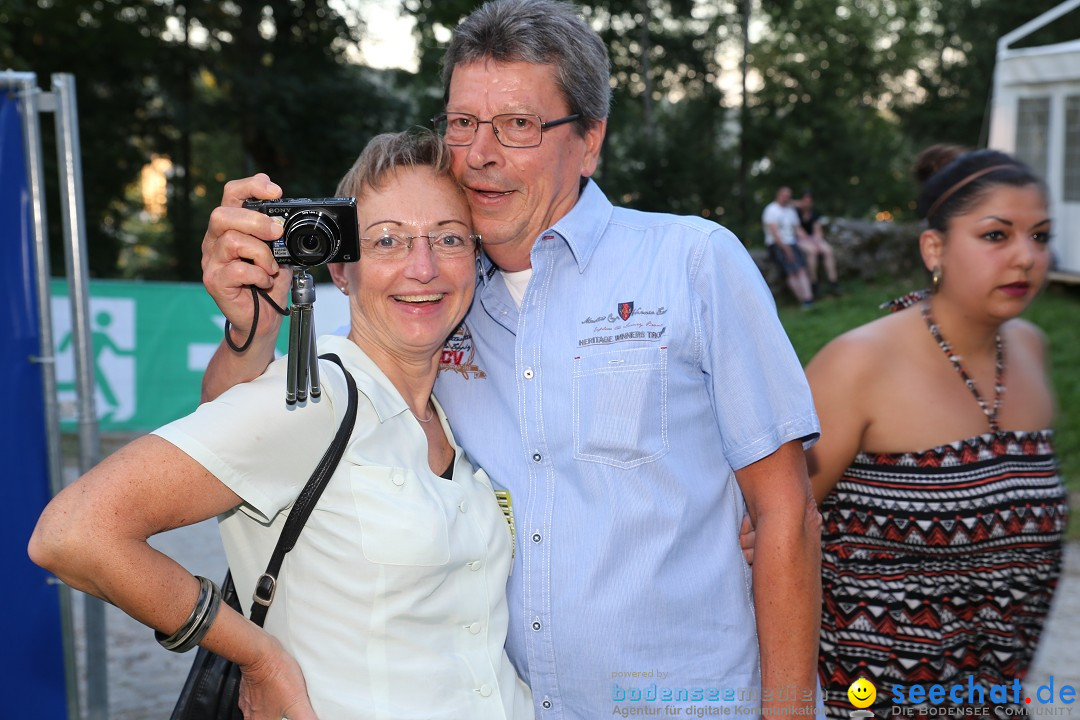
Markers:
{"x": 935, "y": 279}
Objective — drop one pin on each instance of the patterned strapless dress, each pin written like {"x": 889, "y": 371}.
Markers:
{"x": 939, "y": 565}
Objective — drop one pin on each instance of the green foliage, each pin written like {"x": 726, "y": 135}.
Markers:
{"x": 959, "y": 40}
{"x": 223, "y": 89}
{"x": 117, "y": 98}
{"x": 1056, "y": 312}
{"x": 852, "y": 89}
{"x": 842, "y": 95}
{"x": 271, "y": 77}
{"x": 830, "y": 69}
{"x": 669, "y": 145}
{"x": 435, "y": 19}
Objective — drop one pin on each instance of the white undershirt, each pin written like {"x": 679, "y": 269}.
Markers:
{"x": 516, "y": 282}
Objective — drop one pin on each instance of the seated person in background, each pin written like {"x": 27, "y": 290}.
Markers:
{"x": 781, "y": 224}
{"x": 400, "y": 572}
{"x": 812, "y": 243}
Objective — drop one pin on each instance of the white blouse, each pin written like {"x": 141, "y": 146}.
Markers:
{"x": 394, "y": 599}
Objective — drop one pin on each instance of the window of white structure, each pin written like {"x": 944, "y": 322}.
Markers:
{"x": 1033, "y": 133}
{"x": 1071, "y": 189}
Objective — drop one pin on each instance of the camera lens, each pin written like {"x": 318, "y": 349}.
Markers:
{"x": 311, "y": 237}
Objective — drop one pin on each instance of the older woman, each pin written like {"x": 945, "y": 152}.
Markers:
{"x": 392, "y": 603}
{"x": 943, "y": 512}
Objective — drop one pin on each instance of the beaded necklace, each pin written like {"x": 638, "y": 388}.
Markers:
{"x": 430, "y": 414}
{"x": 999, "y": 368}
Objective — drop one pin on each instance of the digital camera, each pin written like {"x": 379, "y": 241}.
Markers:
{"x": 317, "y": 231}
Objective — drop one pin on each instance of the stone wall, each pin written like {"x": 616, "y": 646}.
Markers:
{"x": 865, "y": 250}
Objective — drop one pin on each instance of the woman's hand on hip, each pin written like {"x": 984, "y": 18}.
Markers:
{"x": 273, "y": 688}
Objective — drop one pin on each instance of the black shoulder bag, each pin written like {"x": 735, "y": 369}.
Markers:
{"x": 212, "y": 688}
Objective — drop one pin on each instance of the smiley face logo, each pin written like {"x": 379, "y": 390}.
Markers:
{"x": 862, "y": 693}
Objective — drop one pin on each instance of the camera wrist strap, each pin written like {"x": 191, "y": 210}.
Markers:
{"x": 255, "y": 293}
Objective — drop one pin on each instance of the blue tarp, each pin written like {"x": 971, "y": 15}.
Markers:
{"x": 31, "y": 654}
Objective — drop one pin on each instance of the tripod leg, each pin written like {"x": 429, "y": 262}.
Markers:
{"x": 303, "y": 358}
{"x": 303, "y": 353}
{"x": 313, "y": 360}
{"x": 293, "y": 370}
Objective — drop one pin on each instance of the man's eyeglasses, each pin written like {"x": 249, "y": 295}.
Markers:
{"x": 512, "y": 130}
{"x": 396, "y": 247}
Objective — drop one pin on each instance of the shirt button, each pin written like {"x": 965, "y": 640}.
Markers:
{"x": 528, "y": 374}
{"x": 399, "y": 479}
{"x": 536, "y": 537}
{"x": 463, "y": 506}
{"x": 536, "y": 625}
{"x": 537, "y": 457}
{"x": 485, "y": 690}
{"x": 475, "y": 565}
{"x": 474, "y": 628}
{"x": 546, "y": 704}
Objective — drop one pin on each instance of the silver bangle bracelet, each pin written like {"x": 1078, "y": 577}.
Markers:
{"x": 199, "y": 621}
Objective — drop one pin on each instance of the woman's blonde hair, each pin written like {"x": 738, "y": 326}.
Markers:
{"x": 387, "y": 152}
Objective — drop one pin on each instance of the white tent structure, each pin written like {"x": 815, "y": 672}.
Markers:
{"x": 1035, "y": 115}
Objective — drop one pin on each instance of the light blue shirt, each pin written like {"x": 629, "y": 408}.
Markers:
{"x": 646, "y": 364}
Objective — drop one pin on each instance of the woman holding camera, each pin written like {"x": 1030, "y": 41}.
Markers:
{"x": 392, "y": 603}
{"x": 943, "y": 511}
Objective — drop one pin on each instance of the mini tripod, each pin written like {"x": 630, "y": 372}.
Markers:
{"x": 302, "y": 375}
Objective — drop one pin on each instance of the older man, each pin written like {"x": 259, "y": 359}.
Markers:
{"x": 624, "y": 375}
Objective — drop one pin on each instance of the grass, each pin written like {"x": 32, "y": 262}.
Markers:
{"x": 1056, "y": 311}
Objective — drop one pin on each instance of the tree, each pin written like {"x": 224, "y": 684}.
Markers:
{"x": 830, "y": 72}
{"x": 954, "y": 77}
{"x": 670, "y": 136}
{"x": 853, "y": 89}
{"x": 118, "y": 119}
{"x": 221, "y": 88}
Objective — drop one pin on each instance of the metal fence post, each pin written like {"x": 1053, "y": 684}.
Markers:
{"x": 78, "y": 275}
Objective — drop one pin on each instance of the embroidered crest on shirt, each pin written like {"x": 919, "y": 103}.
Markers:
{"x": 628, "y": 323}
{"x": 507, "y": 507}
{"x": 458, "y": 354}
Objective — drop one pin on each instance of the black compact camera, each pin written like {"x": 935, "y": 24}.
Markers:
{"x": 317, "y": 231}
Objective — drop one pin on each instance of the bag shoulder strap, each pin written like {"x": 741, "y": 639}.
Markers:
{"x": 266, "y": 585}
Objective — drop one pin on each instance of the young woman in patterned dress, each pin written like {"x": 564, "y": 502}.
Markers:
{"x": 943, "y": 512}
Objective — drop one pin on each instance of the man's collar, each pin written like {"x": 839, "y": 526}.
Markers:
{"x": 581, "y": 228}
{"x": 584, "y": 225}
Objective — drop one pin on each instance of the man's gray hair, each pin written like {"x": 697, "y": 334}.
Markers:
{"x": 547, "y": 32}
{"x": 382, "y": 157}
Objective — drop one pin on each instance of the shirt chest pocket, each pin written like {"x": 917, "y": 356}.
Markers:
{"x": 402, "y": 521}
{"x": 620, "y": 406}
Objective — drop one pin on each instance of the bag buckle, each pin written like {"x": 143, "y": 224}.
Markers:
{"x": 265, "y": 587}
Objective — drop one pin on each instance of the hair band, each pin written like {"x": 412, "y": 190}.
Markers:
{"x": 953, "y": 190}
